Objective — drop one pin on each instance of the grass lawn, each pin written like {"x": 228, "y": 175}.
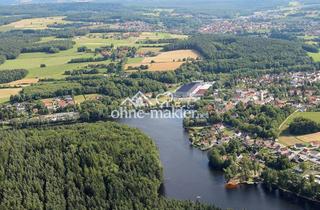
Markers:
{"x": 56, "y": 64}
{"x": 81, "y": 98}
{"x": 134, "y": 60}
{"x": 93, "y": 41}
{"x": 161, "y": 35}
{"x": 149, "y": 49}
{"x": 315, "y": 56}
{"x": 315, "y": 116}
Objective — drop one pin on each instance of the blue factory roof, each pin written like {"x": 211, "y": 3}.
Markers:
{"x": 187, "y": 87}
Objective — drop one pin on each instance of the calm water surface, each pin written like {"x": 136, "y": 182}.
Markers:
{"x": 188, "y": 176}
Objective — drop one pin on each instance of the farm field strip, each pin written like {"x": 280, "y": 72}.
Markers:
{"x": 166, "y": 61}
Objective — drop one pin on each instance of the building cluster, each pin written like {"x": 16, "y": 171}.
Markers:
{"x": 297, "y": 153}
{"x": 266, "y": 21}
{"x": 297, "y": 84}
{"x": 241, "y": 25}
{"x": 58, "y": 103}
{"x": 193, "y": 90}
{"x": 134, "y": 26}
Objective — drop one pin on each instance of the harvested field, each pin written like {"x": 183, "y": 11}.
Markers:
{"x": 166, "y": 61}
{"x": 167, "y": 66}
{"x": 289, "y": 140}
{"x": 172, "y": 56}
{"x": 292, "y": 140}
{"x": 7, "y": 92}
{"x": 24, "y": 82}
{"x": 310, "y": 137}
{"x": 34, "y": 23}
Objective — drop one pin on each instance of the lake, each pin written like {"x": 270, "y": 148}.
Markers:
{"x": 187, "y": 175}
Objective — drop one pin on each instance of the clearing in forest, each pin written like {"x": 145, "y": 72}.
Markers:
{"x": 167, "y": 61}
{"x": 34, "y": 23}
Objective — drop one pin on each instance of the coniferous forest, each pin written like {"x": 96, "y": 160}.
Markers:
{"x": 82, "y": 166}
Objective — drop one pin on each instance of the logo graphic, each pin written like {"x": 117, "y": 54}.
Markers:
{"x": 162, "y": 108}
{"x": 137, "y": 101}
{"x": 164, "y": 99}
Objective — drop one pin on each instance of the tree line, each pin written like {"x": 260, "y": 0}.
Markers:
{"x": 12, "y": 75}
{"x": 301, "y": 126}
{"x": 53, "y": 46}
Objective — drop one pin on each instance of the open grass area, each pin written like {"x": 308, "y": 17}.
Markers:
{"x": 94, "y": 41}
{"x": 315, "y": 56}
{"x": 81, "y": 98}
{"x": 23, "y": 82}
{"x": 149, "y": 49}
{"x": 166, "y": 61}
{"x": 161, "y": 35}
{"x": 287, "y": 139}
{"x": 34, "y": 23}
{"x": 134, "y": 60}
{"x": 7, "y": 92}
{"x": 57, "y": 64}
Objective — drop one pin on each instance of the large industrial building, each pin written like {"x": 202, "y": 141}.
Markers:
{"x": 193, "y": 89}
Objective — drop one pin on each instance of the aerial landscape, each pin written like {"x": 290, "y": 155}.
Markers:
{"x": 160, "y": 104}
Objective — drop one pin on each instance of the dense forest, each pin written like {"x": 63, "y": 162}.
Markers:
{"x": 82, "y": 166}
{"x": 227, "y": 53}
{"x": 12, "y": 75}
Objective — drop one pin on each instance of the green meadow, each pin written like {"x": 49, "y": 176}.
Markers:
{"x": 57, "y": 64}
{"x": 315, "y": 56}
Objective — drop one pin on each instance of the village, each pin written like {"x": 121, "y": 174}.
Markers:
{"x": 263, "y": 22}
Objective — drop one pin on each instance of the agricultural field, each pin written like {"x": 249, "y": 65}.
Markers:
{"x": 155, "y": 36}
{"x": 288, "y": 140}
{"x": 57, "y": 64}
{"x": 81, "y": 98}
{"x": 166, "y": 61}
{"x": 149, "y": 49}
{"x": 34, "y": 23}
{"x": 23, "y": 82}
{"x": 7, "y": 92}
